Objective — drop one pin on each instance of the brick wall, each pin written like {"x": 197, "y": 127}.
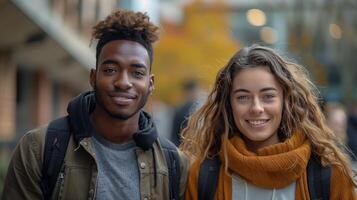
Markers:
{"x": 44, "y": 99}
{"x": 7, "y": 96}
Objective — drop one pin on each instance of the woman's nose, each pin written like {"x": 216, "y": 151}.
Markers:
{"x": 257, "y": 106}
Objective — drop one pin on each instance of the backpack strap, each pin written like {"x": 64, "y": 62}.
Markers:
{"x": 318, "y": 179}
{"x": 56, "y": 142}
{"x": 173, "y": 163}
{"x": 208, "y": 178}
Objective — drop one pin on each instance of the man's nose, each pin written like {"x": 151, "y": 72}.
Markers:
{"x": 123, "y": 81}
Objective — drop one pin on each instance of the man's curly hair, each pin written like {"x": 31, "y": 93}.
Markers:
{"x": 124, "y": 24}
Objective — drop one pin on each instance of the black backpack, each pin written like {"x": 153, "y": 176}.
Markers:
{"x": 56, "y": 142}
{"x": 318, "y": 179}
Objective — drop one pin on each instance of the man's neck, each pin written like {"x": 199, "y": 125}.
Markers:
{"x": 112, "y": 129}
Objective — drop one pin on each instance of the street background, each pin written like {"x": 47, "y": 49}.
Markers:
{"x": 45, "y": 54}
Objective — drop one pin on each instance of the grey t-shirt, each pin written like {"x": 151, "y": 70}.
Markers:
{"x": 118, "y": 173}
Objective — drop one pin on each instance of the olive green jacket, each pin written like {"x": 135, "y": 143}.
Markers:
{"x": 78, "y": 178}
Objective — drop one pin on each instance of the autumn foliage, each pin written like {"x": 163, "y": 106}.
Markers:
{"x": 196, "y": 48}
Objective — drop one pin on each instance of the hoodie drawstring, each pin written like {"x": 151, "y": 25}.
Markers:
{"x": 154, "y": 163}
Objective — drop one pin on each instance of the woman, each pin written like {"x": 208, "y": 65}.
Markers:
{"x": 263, "y": 121}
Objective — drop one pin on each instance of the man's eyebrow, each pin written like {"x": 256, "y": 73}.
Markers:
{"x": 109, "y": 62}
{"x": 139, "y": 65}
{"x": 135, "y": 65}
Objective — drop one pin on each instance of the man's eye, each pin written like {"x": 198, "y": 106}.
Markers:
{"x": 109, "y": 71}
{"x": 139, "y": 74}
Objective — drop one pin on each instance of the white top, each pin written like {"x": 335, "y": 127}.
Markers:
{"x": 242, "y": 190}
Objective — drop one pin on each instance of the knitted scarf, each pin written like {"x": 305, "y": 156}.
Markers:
{"x": 275, "y": 166}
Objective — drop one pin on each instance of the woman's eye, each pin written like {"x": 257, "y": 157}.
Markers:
{"x": 243, "y": 98}
{"x": 268, "y": 96}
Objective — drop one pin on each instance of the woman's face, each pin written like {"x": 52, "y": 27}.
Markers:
{"x": 257, "y": 104}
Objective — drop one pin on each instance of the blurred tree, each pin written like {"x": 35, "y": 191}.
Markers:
{"x": 196, "y": 48}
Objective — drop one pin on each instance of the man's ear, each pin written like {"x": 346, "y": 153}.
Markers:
{"x": 151, "y": 83}
{"x": 92, "y": 77}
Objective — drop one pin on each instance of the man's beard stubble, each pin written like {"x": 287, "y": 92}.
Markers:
{"x": 118, "y": 115}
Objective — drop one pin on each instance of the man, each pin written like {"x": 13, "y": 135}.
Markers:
{"x": 113, "y": 151}
{"x": 183, "y": 112}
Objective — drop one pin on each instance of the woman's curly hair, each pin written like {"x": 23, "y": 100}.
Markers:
{"x": 202, "y": 136}
{"x": 126, "y": 25}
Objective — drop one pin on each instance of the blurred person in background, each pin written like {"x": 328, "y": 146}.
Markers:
{"x": 113, "y": 151}
{"x": 259, "y": 133}
{"x": 352, "y": 128}
{"x": 336, "y": 119}
{"x": 162, "y": 116}
{"x": 182, "y": 112}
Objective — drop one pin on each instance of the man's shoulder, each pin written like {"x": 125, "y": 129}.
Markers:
{"x": 34, "y": 140}
{"x": 35, "y": 136}
{"x": 26, "y": 157}
{"x": 29, "y": 149}
{"x": 165, "y": 144}
{"x": 168, "y": 145}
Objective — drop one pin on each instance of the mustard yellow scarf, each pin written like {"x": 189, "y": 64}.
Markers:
{"x": 275, "y": 166}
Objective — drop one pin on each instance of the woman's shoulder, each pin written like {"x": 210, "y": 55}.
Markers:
{"x": 341, "y": 186}
{"x": 195, "y": 167}
{"x": 192, "y": 180}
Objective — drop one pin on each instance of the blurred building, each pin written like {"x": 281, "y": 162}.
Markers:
{"x": 45, "y": 55}
{"x": 321, "y": 35}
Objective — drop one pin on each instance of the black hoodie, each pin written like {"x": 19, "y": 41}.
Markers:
{"x": 79, "y": 110}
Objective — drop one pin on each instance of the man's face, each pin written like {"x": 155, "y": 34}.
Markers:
{"x": 122, "y": 80}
